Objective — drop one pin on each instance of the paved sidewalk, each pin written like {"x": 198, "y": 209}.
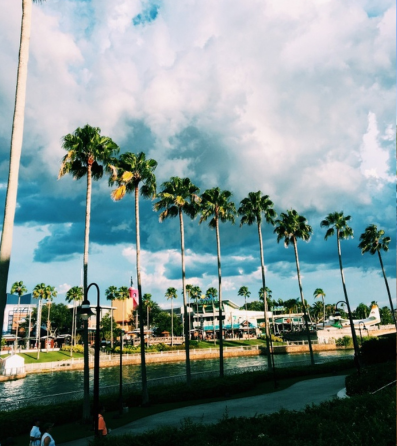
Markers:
{"x": 296, "y": 397}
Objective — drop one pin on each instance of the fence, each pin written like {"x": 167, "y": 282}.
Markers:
{"x": 128, "y": 387}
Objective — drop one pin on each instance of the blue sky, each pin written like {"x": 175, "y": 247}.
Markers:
{"x": 294, "y": 99}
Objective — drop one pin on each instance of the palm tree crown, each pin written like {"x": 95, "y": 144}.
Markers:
{"x": 373, "y": 240}
{"x": 292, "y": 226}
{"x": 255, "y": 207}
{"x": 216, "y": 204}
{"x": 337, "y": 221}
{"x": 18, "y": 288}
{"x": 75, "y": 293}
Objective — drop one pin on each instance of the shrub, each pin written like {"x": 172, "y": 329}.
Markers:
{"x": 371, "y": 378}
{"x": 377, "y": 350}
{"x": 346, "y": 341}
{"x": 75, "y": 348}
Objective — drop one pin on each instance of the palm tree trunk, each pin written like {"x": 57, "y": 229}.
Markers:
{"x": 87, "y": 227}
{"x": 38, "y": 328}
{"x": 355, "y": 342}
{"x": 267, "y": 331}
{"x": 324, "y": 313}
{"x": 145, "y": 395}
{"x": 172, "y": 322}
{"x": 48, "y": 322}
{"x": 218, "y": 245}
{"x": 185, "y": 320}
{"x": 303, "y": 301}
{"x": 15, "y": 155}
{"x": 388, "y": 290}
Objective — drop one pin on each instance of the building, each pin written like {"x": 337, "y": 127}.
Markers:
{"x": 15, "y": 312}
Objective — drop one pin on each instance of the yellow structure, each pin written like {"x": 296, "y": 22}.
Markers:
{"x": 123, "y": 311}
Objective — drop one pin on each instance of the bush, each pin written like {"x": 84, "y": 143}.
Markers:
{"x": 377, "y": 350}
{"x": 371, "y": 378}
{"x": 346, "y": 341}
{"x": 75, "y": 348}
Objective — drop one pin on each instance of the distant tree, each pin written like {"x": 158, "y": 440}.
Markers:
{"x": 244, "y": 292}
{"x": 108, "y": 326}
{"x": 19, "y": 289}
{"x": 362, "y": 311}
{"x": 171, "y": 293}
{"x": 291, "y": 227}
{"x": 374, "y": 241}
{"x": 319, "y": 292}
{"x": 45, "y": 292}
{"x": 253, "y": 306}
{"x": 75, "y": 295}
{"x": 216, "y": 206}
{"x": 386, "y": 317}
{"x": 149, "y": 305}
{"x": 196, "y": 293}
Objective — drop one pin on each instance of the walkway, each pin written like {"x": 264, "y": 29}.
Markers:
{"x": 296, "y": 397}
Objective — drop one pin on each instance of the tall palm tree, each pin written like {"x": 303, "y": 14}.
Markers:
{"x": 15, "y": 154}
{"x": 212, "y": 294}
{"x": 171, "y": 294}
{"x": 45, "y": 292}
{"x": 374, "y": 241}
{"x": 133, "y": 172}
{"x": 254, "y": 209}
{"x": 86, "y": 150}
{"x": 337, "y": 223}
{"x": 180, "y": 196}
{"x": 216, "y": 205}
{"x": 291, "y": 227}
{"x": 19, "y": 289}
{"x": 189, "y": 287}
{"x": 74, "y": 294}
{"x": 268, "y": 293}
{"x": 244, "y": 292}
{"x": 319, "y": 292}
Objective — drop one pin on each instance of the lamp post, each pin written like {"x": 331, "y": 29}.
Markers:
{"x": 85, "y": 314}
{"x": 364, "y": 327}
{"x": 357, "y": 359}
{"x": 121, "y": 373}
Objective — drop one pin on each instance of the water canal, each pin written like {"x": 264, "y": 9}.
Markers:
{"x": 36, "y": 387}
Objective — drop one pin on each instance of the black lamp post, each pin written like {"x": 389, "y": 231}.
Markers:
{"x": 86, "y": 312}
{"x": 357, "y": 360}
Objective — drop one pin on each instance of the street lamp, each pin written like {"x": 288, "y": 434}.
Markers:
{"x": 355, "y": 343}
{"x": 85, "y": 314}
{"x": 364, "y": 327}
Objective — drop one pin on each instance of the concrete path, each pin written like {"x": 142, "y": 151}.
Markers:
{"x": 296, "y": 397}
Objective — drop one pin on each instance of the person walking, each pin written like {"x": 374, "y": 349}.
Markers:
{"x": 35, "y": 433}
{"x": 46, "y": 439}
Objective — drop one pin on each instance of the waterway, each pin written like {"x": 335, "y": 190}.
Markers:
{"x": 38, "y": 386}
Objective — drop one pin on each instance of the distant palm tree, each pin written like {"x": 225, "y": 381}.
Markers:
{"x": 19, "y": 289}
{"x": 111, "y": 294}
{"x": 337, "y": 222}
{"x": 212, "y": 294}
{"x": 15, "y": 154}
{"x": 374, "y": 241}
{"x": 244, "y": 292}
{"x": 291, "y": 227}
{"x": 189, "y": 288}
{"x": 133, "y": 173}
{"x": 319, "y": 292}
{"x": 47, "y": 292}
{"x": 86, "y": 149}
{"x": 180, "y": 196}
{"x": 216, "y": 205}
{"x": 149, "y": 305}
{"x": 74, "y": 294}
{"x": 171, "y": 294}
{"x": 196, "y": 294}
{"x": 254, "y": 209}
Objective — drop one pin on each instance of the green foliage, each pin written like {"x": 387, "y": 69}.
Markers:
{"x": 381, "y": 349}
{"x": 371, "y": 378}
{"x": 75, "y": 348}
{"x": 346, "y": 341}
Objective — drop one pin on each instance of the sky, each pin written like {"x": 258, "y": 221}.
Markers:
{"x": 295, "y": 99}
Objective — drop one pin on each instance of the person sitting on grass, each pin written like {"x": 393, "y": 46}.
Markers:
{"x": 102, "y": 430}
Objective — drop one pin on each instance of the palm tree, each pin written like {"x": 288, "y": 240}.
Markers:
{"x": 243, "y": 291}
{"x": 290, "y": 227}
{"x": 216, "y": 205}
{"x": 189, "y": 289}
{"x": 74, "y": 294}
{"x": 171, "y": 294}
{"x": 46, "y": 292}
{"x": 177, "y": 197}
{"x": 319, "y": 292}
{"x": 212, "y": 294}
{"x": 133, "y": 172}
{"x": 15, "y": 155}
{"x": 111, "y": 294}
{"x": 196, "y": 294}
{"x": 149, "y": 305}
{"x": 19, "y": 289}
{"x": 337, "y": 222}
{"x": 374, "y": 241}
{"x": 86, "y": 149}
{"x": 254, "y": 209}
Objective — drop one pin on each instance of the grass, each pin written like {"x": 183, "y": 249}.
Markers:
{"x": 31, "y": 358}
{"x": 76, "y": 430}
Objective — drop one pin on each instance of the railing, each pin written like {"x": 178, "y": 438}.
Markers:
{"x": 114, "y": 389}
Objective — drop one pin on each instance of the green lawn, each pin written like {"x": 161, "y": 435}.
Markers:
{"x": 31, "y": 358}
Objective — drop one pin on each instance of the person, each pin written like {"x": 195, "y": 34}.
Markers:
{"x": 102, "y": 430}
{"x": 46, "y": 439}
{"x": 35, "y": 433}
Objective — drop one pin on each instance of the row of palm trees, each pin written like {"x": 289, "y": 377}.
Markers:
{"x": 90, "y": 154}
